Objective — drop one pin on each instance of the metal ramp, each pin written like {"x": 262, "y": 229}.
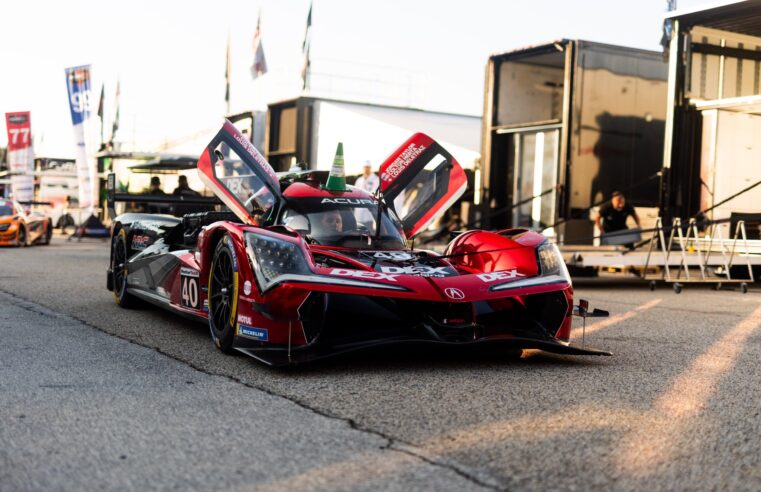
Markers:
{"x": 702, "y": 259}
{"x": 678, "y": 255}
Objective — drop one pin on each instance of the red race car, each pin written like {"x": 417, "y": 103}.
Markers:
{"x": 302, "y": 266}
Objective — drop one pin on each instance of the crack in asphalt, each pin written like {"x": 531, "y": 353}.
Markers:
{"x": 392, "y": 443}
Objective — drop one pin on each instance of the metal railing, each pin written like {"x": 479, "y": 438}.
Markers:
{"x": 695, "y": 254}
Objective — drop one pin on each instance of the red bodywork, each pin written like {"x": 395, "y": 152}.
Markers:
{"x": 486, "y": 287}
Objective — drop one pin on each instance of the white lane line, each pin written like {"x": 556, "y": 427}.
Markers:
{"x": 676, "y": 412}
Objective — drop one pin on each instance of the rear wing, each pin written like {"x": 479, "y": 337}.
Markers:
{"x": 112, "y": 196}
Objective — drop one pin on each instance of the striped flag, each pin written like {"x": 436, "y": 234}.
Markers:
{"x": 259, "y": 67}
{"x": 305, "y": 50}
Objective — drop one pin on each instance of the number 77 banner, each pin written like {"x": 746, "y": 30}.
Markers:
{"x": 20, "y": 159}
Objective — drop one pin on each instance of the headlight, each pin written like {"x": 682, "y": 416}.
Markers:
{"x": 274, "y": 260}
{"x": 551, "y": 261}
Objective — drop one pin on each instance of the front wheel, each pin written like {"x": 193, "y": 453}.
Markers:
{"x": 119, "y": 271}
{"x": 22, "y": 241}
{"x": 48, "y": 234}
{"x": 223, "y": 296}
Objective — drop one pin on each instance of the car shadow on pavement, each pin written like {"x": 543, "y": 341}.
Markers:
{"x": 414, "y": 357}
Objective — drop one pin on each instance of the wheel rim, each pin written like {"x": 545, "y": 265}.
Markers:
{"x": 221, "y": 291}
{"x": 22, "y": 236}
{"x": 120, "y": 266}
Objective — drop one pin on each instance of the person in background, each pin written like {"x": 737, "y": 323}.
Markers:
{"x": 155, "y": 190}
{"x": 183, "y": 188}
{"x": 368, "y": 182}
{"x": 613, "y": 214}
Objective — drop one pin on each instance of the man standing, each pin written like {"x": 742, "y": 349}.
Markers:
{"x": 155, "y": 190}
{"x": 183, "y": 189}
{"x": 368, "y": 182}
{"x": 613, "y": 214}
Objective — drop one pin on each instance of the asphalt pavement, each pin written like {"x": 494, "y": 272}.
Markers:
{"x": 676, "y": 407}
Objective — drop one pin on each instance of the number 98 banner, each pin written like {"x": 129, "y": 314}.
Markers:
{"x": 20, "y": 159}
{"x": 78, "y": 84}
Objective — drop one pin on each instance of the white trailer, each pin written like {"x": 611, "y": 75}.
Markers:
{"x": 712, "y": 148}
{"x": 307, "y": 130}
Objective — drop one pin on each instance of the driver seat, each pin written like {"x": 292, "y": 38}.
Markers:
{"x": 349, "y": 220}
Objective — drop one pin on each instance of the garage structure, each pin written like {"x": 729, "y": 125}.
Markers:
{"x": 713, "y": 128}
{"x": 565, "y": 124}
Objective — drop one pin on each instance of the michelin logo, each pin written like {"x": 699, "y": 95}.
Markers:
{"x": 260, "y": 334}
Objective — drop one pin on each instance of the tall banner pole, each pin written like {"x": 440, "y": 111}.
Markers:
{"x": 20, "y": 158}
{"x": 78, "y": 84}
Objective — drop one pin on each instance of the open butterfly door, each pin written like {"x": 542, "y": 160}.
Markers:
{"x": 239, "y": 175}
{"x": 420, "y": 181}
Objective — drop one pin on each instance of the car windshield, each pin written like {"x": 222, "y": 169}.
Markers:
{"x": 6, "y": 210}
{"x": 346, "y": 222}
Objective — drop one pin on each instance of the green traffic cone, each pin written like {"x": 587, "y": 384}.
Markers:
{"x": 337, "y": 178}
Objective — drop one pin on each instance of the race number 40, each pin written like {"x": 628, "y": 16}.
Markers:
{"x": 189, "y": 284}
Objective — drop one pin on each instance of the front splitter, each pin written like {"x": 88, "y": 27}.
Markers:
{"x": 282, "y": 356}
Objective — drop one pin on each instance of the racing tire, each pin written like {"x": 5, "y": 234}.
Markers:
{"x": 45, "y": 240}
{"x": 223, "y": 296}
{"x": 22, "y": 237}
{"x": 119, "y": 271}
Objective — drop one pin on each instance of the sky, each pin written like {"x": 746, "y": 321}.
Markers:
{"x": 169, "y": 56}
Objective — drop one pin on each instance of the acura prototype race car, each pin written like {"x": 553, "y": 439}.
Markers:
{"x": 21, "y": 226}
{"x": 303, "y": 266}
